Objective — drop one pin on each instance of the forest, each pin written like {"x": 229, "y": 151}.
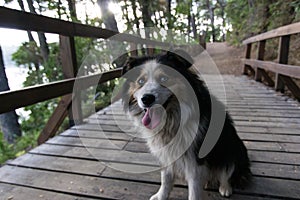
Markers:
{"x": 229, "y": 21}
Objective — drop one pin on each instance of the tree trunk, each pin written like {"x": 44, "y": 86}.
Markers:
{"x": 72, "y": 9}
{"x": 108, "y": 17}
{"x": 20, "y": 2}
{"x": 210, "y": 8}
{"x": 194, "y": 28}
{"x": 42, "y": 38}
{"x": 146, "y": 15}
{"x": 8, "y": 121}
{"x": 169, "y": 15}
{"x": 222, "y": 4}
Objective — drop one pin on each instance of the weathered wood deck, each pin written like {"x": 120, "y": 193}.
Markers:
{"x": 63, "y": 168}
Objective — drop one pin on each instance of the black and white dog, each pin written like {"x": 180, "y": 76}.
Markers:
{"x": 157, "y": 95}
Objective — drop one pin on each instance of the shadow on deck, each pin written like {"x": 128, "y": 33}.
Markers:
{"x": 64, "y": 168}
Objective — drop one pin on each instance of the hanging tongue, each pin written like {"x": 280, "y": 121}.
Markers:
{"x": 152, "y": 117}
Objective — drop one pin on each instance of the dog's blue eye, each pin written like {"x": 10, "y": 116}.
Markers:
{"x": 141, "y": 81}
{"x": 163, "y": 79}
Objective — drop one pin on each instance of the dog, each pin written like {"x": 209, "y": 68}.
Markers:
{"x": 157, "y": 94}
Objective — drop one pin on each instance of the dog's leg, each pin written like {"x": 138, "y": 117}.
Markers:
{"x": 225, "y": 188}
{"x": 167, "y": 182}
{"x": 194, "y": 179}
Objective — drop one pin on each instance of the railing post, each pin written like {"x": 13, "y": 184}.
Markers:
{"x": 133, "y": 49}
{"x": 283, "y": 54}
{"x": 150, "y": 49}
{"x": 69, "y": 66}
{"x": 247, "y": 56}
{"x": 202, "y": 41}
{"x": 260, "y": 56}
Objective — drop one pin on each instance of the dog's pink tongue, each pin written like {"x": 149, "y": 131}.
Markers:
{"x": 152, "y": 118}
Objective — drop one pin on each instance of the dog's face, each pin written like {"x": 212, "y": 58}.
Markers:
{"x": 150, "y": 84}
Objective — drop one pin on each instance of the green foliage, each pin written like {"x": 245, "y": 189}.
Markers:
{"x": 23, "y": 144}
{"x": 249, "y": 18}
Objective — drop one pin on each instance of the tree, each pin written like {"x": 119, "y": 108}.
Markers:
{"x": 8, "y": 121}
{"x": 108, "y": 17}
{"x": 42, "y": 38}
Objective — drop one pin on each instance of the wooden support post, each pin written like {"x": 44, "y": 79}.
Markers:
{"x": 260, "y": 56}
{"x": 292, "y": 86}
{"x": 202, "y": 41}
{"x": 150, "y": 50}
{"x": 69, "y": 65}
{"x": 133, "y": 49}
{"x": 247, "y": 56}
{"x": 283, "y": 55}
{"x": 56, "y": 119}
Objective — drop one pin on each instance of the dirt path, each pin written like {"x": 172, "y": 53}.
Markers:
{"x": 227, "y": 58}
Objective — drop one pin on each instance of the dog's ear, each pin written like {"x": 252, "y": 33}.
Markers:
{"x": 182, "y": 57}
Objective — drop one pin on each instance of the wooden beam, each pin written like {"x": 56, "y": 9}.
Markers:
{"x": 283, "y": 55}
{"x": 133, "y": 49}
{"x": 15, "y": 19}
{"x": 281, "y": 31}
{"x": 56, "y": 119}
{"x": 247, "y": 56}
{"x": 11, "y": 100}
{"x": 292, "y": 86}
{"x": 260, "y": 56}
{"x": 287, "y": 70}
{"x": 267, "y": 78}
{"x": 150, "y": 50}
{"x": 69, "y": 66}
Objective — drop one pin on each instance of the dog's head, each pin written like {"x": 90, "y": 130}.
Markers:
{"x": 151, "y": 83}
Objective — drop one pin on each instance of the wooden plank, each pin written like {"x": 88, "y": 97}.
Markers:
{"x": 275, "y": 170}
{"x": 281, "y": 31}
{"x": 97, "y": 134}
{"x": 275, "y": 157}
{"x": 60, "y": 164}
{"x": 41, "y": 161}
{"x": 267, "y": 130}
{"x": 12, "y": 100}
{"x": 273, "y": 188}
{"x": 270, "y": 137}
{"x": 17, "y": 192}
{"x": 121, "y": 158}
{"x": 82, "y": 185}
{"x": 56, "y": 119}
{"x": 100, "y": 143}
{"x": 105, "y": 155}
{"x": 288, "y": 70}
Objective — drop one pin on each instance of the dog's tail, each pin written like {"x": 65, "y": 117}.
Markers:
{"x": 242, "y": 175}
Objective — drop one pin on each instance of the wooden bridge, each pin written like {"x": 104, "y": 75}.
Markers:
{"x": 67, "y": 166}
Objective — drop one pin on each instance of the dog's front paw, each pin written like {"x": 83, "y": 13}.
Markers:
{"x": 225, "y": 191}
{"x": 158, "y": 196}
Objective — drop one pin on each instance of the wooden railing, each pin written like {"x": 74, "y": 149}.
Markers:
{"x": 283, "y": 72}
{"x": 11, "y": 100}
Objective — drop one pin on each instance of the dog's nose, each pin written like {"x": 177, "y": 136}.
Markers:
{"x": 148, "y": 99}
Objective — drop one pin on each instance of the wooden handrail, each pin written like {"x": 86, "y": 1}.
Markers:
{"x": 287, "y": 70}
{"x": 281, "y": 31}
{"x": 283, "y": 72}
{"x": 11, "y": 100}
{"x": 15, "y": 19}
